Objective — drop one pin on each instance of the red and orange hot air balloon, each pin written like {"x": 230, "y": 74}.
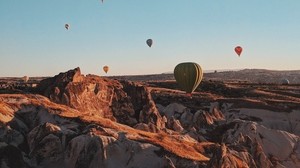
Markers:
{"x": 238, "y": 50}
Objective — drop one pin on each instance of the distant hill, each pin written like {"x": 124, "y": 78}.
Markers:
{"x": 257, "y": 76}
{"x": 231, "y": 75}
{"x": 210, "y": 71}
{"x": 246, "y": 75}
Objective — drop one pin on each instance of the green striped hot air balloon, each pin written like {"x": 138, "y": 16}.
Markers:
{"x": 188, "y": 76}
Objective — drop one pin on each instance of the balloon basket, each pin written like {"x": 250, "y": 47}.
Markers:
{"x": 189, "y": 95}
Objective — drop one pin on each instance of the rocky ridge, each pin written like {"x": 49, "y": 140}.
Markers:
{"x": 127, "y": 102}
{"x": 90, "y": 121}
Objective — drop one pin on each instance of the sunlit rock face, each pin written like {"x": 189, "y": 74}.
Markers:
{"x": 127, "y": 102}
{"x": 36, "y": 132}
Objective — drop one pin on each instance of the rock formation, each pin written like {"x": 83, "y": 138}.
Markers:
{"x": 89, "y": 121}
{"x": 36, "y": 132}
{"x": 125, "y": 102}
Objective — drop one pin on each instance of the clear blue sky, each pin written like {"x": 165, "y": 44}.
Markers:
{"x": 34, "y": 42}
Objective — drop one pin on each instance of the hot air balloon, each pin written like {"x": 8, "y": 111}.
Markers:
{"x": 238, "y": 50}
{"x": 67, "y": 26}
{"x": 25, "y": 79}
{"x": 188, "y": 75}
{"x": 105, "y": 68}
{"x": 149, "y": 42}
{"x": 285, "y": 82}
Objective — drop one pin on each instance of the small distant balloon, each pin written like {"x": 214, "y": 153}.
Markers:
{"x": 105, "y": 68}
{"x": 238, "y": 50}
{"x": 285, "y": 82}
{"x": 67, "y": 26}
{"x": 149, "y": 42}
{"x": 25, "y": 79}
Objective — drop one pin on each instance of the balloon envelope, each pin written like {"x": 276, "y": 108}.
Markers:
{"x": 105, "y": 68}
{"x": 188, "y": 75}
{"x": 149, "y": 42}
{"x": 67, "y": 26}
{"x": 238, "y": 50}
{"x": 285, "y": 82}
{"x": 25, "y": 79}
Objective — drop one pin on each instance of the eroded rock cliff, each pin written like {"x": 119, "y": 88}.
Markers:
{"x": 125, "y": 102}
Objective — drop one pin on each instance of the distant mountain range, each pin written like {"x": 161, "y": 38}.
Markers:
{"x": 210, "y": 71}
{"x": 242, "y": 70}
{"x": 247, "y": 75}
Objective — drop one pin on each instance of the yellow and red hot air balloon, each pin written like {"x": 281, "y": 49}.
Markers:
{"x": 238, "y": 50}
{"x": 105, "y": 68}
